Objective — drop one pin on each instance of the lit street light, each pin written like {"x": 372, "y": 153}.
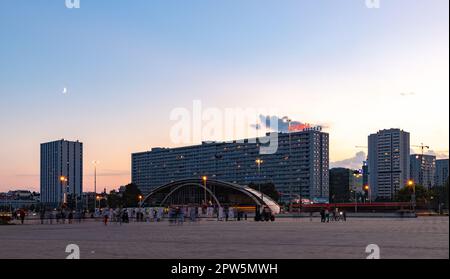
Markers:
{"x": 204, "y": 179}
{"x": 140, "y": 200}
{"x": 367, "y": 188}
{"x": 259, "y": 162}
{"x": 412, "y": 184}
{"x": 63, "y": 181}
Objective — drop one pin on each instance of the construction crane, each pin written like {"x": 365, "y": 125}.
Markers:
{"x": 422, "y": 147}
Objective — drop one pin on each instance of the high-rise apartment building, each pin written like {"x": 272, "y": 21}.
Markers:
{"x": 441, "y": 172}
{"x": 61, "y": 171}
{"x": 423, "y": 169}
{"x": 299, "y": 167}
{"x": 388, "y": 163}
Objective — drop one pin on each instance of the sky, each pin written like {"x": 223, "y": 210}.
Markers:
{"x": 111, "y": 72}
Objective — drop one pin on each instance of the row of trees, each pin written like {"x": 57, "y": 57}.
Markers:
{"x": 436, "y": 197}
{"x": 127, "y": 198}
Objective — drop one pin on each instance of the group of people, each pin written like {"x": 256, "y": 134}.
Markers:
{"x": 178, "y": 214}
{"x": 174, "y": 214}
{"x": 336, "y": 215}
{"x": 60, "y": 215}
{"x": 123, "y": 215}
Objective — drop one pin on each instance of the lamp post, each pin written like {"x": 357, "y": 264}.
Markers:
{"x": 95, "y": 163}
{"x": 367, "y": 188}
{"x": 140, "y": 200}
{"x": 288, "y": 121}
{"x": 258, "y": 163}
{"x": 412, "y": 184}
{"x": 204, "y": 179}
{"x": 63, "y": 181}
{"x": 97, "y": 198}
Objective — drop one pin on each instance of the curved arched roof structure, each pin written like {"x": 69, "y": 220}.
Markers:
{"x": 259, "y": 198}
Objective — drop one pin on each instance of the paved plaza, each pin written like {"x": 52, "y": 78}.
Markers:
{"x": 424, "y": 237}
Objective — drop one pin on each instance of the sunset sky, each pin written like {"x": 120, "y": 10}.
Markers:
{"x": 127, "y": 64}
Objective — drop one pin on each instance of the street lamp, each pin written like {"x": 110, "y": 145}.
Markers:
{"x": 288, "y": 121}
{"x": 97, "y": 198}
{"x": 204, "y": 179}
{"x": 63, "y": 181}
{"x": 140, "y": 200}
{"x": 95, "y": 163}
{"x": 259, "y": 162}
{"x": 411, "y": 184}
{"x": 367, "y": 188}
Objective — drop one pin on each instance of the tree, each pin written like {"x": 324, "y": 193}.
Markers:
{"x": 131, "y": 195}
{"x": 115, "y": 200}
{"x": 422, "y": 194}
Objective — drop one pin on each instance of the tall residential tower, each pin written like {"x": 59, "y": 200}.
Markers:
{"x": 388, "y": 162}
{"x": 423, "y": 169}
{"x": 61, "y": 171}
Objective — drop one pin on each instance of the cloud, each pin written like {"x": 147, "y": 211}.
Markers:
{"x": 438, "y": 154}
{"x": 107, "y": 173}
{"x": 354, "y": 162}
{"x": 407, "y": 94}
{"x": 27, "y": 175}
{"x": 283, "y": 126}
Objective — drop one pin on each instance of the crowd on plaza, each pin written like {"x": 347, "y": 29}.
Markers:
{"x": 327, "y": 215}
{"x": 174, "y": 214}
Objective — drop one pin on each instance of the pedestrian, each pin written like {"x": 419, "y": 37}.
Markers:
{"x": 322, "y": 215}
{"x": 105, "y": 218}
{"x": 22, "y": 216}
{"x": 42, "y": 215}
{"x": 63, "y": 216}
{"x": 70, "y": 217}
{"x": 50, "y": 217}
{"x": 327, "y": 215}
{"x": 344, "y": 215}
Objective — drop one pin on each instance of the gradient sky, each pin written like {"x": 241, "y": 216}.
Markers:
{"x": 127, "y": 64}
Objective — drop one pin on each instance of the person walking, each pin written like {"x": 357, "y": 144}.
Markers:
{"x": 322, "y": 215}
{"x": 42, "y": 215}
{"x": 70, "y": 217}
{"x": 22, "y": 216}
{"x": 63, "y": 216}
{"x": 327, "y": 215}
{"x": 105, "y": 217}
{"x": 51, "y": 217}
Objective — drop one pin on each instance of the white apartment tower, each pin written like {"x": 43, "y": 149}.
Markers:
{"x": 388, "y": 162}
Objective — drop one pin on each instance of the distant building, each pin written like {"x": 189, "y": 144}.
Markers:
{"x": 441, "y": 176}
{"x": 388, "y": 162}
{"x": 340, "y": 184}
{"x": 61, "y": 171}
{"x": 345, "y": 184}
{"x": 19, "y": 199}
{"x": 423, "y": 169}
{"x": 365, "y": 173}
{"x": 89, "y": 200}
{"x": 305, "y": 173}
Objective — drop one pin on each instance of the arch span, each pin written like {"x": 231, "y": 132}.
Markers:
{"x": 257, "y": 197}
